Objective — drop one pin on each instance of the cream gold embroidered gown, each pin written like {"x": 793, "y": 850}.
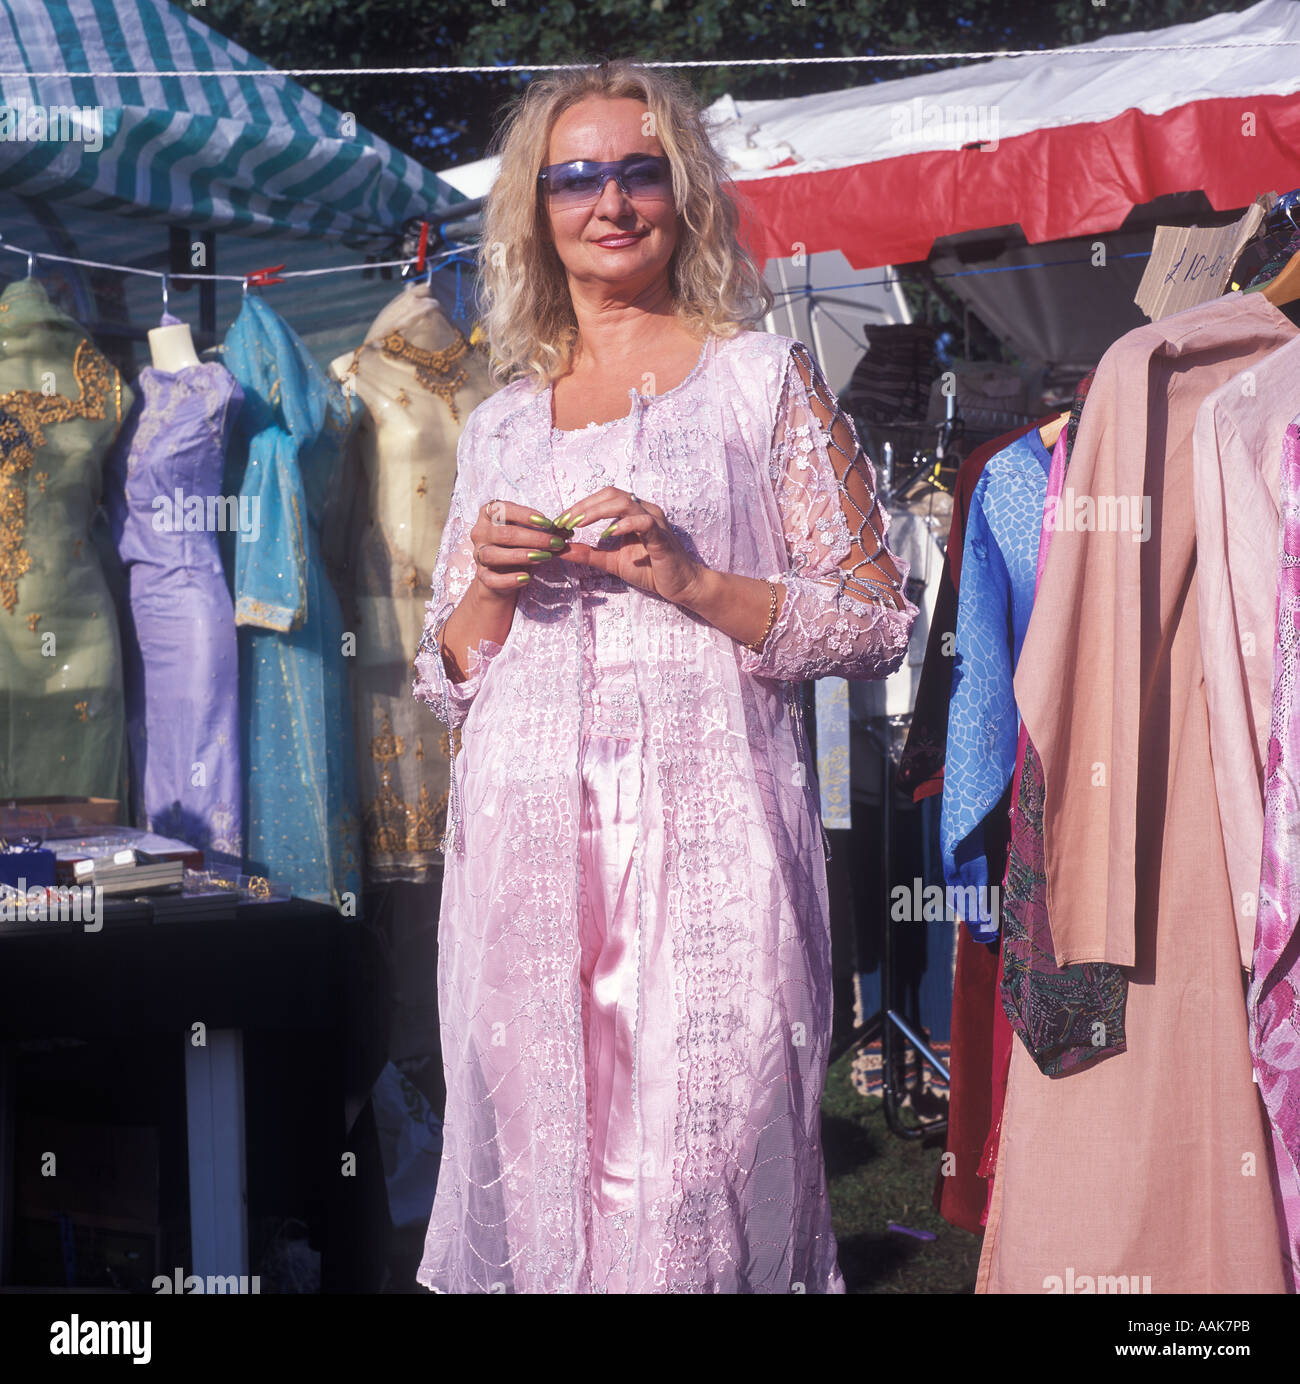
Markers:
{"x": 420, "y": 380}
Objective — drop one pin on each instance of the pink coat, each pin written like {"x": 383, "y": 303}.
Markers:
{"x": 734, "y": 974}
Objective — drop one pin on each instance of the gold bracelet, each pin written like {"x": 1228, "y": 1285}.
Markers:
{"x": 757, "y": 645}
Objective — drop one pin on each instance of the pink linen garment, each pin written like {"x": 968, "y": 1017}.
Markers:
{"x": 1153, "y": 1167}
{"x": 707, "y": 1175}
{"x": 1237, "y": 455}
{"x": 1274, "y": 999}
{"x": 1244, "y": 586}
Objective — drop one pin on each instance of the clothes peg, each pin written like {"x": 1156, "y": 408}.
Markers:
{"x": 260, "y": 278}
{"x": 165, "y": 296}
{"x": 31, "y": 264}
{"x": 419, "y": 270}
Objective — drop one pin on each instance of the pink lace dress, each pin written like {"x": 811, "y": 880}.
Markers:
{"x": 634, "y": 976}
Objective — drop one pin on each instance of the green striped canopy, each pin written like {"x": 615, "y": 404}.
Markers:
{"x": 252, "y": 156}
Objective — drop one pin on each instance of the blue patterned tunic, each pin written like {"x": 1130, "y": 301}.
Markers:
{"x": 997, "y": 593}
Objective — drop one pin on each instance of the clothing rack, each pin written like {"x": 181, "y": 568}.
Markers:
{"x": 886, "y": 1024}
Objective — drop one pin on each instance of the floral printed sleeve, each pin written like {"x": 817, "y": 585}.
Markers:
{"x": 452, "y": 574}
{"x": 844, "y": 613}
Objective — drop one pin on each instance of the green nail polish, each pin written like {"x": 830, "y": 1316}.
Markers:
{"x": 521, "y": 576}
{"x": 540, "y": 557}
{"x": 559, "y": 523}
{"x": 537, "y": 519}
{"x": 574, "y": 522}
{"x": 557, "y": 544}
{"x": 610, "y": 530}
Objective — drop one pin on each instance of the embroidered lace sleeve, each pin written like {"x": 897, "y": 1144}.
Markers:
{"x": 452, "y": 574}
{"x": 844, "y": 613}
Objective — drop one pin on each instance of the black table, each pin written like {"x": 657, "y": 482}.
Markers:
{"x": 286, "y": 966}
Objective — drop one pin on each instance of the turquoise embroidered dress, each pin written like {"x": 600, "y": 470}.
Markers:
{"x": 300, "y": 795}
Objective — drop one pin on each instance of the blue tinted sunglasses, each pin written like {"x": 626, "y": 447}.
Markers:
{"x": 642, "y": 177}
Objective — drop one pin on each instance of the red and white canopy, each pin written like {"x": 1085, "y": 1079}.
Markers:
{"x": 1067, "y": 143}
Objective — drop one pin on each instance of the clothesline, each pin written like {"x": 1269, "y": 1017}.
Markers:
{"x": 457, "y": 252}
{"x": 498, "y": 69}
{"x": 34, "y": 255}
{"x": 808, "y": 288}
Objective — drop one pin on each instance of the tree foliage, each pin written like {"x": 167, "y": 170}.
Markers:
{"x": 445, "y": 120}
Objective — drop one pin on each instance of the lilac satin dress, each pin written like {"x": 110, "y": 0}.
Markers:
{"x": 182, "y": 670}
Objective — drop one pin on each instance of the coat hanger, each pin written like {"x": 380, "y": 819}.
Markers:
{"x": 1049, "y": 432}
{"x": 1284, "y": 287}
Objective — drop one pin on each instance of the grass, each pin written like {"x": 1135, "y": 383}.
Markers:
{"x": 877, "y": 1178}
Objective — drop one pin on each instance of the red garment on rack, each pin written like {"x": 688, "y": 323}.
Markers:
{"x": 981, "y": 1052}
{"x": 980, "y": 1034}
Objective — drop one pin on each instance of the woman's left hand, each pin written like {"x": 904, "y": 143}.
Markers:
{"x": 644, "y": 550}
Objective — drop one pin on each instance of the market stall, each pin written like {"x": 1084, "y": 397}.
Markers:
{"x": 181, "y": 709}
{"x": 210, "y": 716}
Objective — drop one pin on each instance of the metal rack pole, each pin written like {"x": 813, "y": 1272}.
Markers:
{"x": 885, "y": 1023}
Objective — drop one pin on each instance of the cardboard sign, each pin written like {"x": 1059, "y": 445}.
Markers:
{"x": 1191, "y": 264}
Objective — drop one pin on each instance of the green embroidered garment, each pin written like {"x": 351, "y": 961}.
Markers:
{"x": 61, "y": 405}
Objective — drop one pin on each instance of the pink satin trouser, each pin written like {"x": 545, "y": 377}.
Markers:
{"x": 610, "y": 769}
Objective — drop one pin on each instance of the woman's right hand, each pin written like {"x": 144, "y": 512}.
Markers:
{"x": 509, "y": 541}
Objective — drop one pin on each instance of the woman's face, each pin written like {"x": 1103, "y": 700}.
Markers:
{"x": 616, "y": 241}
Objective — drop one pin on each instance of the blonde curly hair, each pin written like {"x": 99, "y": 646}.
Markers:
{"x": 528, "y": 314}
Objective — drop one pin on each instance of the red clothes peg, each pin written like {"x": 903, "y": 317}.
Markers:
{"x": 423, "y": 246}
{"x": 259, "y": 278}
